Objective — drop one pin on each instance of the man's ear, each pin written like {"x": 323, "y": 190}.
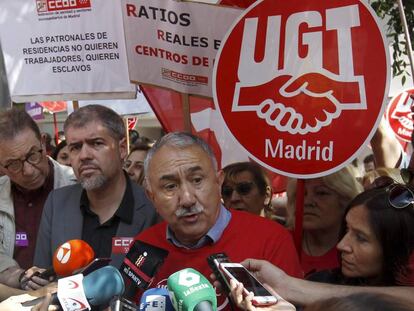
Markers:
{"x": 268, "y": 196}
{"x": 220, "y": 177}
{"x": 123, "y": 148}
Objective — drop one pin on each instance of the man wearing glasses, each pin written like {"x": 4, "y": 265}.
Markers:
{"x": 29, "y": 177}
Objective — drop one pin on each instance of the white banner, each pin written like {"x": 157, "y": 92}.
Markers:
{"x": 64, "y": 47}
{"x": 174, "y": 44}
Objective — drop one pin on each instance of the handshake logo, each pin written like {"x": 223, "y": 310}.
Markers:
{"x": 298, "y": 95}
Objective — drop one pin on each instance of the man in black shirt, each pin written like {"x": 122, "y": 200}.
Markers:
{"x": 106, "y": 209}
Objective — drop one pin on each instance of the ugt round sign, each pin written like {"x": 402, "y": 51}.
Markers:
{"x": 301, "y": 84}
{"x": 400, "y": 116}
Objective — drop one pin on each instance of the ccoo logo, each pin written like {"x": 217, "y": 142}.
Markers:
{"x": 300, "y": 73}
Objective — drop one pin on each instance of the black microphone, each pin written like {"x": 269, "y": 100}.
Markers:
{"x": 138, "y": 269}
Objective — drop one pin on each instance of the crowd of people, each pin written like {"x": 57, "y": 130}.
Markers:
{"x": 358, "y": 238}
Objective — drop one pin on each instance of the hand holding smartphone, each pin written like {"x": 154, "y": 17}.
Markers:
{"x": 235, "y": 271}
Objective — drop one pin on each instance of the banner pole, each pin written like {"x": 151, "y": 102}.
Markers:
{"x": 300, "y": 200}
{"x": 185, "y": 101}
{"x": 127, "y": 133}
{"x": 56, "y": 129}
{"x": 407, "y": 36}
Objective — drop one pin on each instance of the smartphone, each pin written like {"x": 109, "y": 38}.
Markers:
{"x": 235, "y": 271}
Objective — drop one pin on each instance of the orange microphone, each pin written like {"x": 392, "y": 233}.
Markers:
{"x": 72, "y": 256}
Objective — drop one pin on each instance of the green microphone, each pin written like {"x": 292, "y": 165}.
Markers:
{"x": 191, "y": 291}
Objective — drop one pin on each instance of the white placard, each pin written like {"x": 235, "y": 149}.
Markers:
{"x": 64, "y": 47}
{"x": 173, "y": 44}
{"x": 125, "y": 107}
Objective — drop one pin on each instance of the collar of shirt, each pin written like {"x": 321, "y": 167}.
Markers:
{"x": 212, "y": 236}
{"x": 125, "y": 211}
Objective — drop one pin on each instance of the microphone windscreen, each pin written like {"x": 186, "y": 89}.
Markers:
{"x": 71, "y": 256}
{"x": 102, "y": 285}
{"x": 156, "y": 299}
{"x": 191, "y": 291}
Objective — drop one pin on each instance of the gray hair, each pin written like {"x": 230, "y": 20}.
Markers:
{"x": 14, "y": 121}
{"x": 179, "y": 140}
{"x": 106, "y": 116}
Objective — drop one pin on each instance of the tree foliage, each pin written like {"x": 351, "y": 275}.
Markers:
{"x": 388, "y": 10}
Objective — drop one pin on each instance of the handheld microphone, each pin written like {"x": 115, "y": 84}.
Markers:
{"x": 155, "y": 299}
{"x": 138, "y": 270}
{"x": 100, "y": 286}
{"x": 68, "y": 258}
{"x": 71, "y": 256}
{"x": 191, "y": 291}
{"x": 140, "y": 265}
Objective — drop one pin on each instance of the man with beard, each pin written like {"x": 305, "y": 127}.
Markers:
{"x": 182, "y": 181}
{"x": 106, "y": 206}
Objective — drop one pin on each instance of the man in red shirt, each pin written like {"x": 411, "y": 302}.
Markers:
{"x": 183, "y": 182}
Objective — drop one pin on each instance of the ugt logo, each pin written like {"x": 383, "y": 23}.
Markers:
{"x": 299, "y": 78}
{"x": 400, "y": 115}
{"x": 302, "y": 74}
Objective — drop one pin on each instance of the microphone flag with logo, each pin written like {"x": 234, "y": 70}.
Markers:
{"x": 140, "y": 266}
{"x": 156, "y": 299}
{"x": 191, "y": 291}
{"x": 68, "y": 258}
{"x": 95, "y": 289}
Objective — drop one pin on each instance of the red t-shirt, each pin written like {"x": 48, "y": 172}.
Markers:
{"x": 311, "y": 264}
{"x": 246, "y": 236}
{"x": 408, "y": 280}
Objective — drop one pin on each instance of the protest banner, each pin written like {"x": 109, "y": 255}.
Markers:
{"x": 60, "y": 49}
{"x": 302, "y": 75}
{"x": 173, "y": 44}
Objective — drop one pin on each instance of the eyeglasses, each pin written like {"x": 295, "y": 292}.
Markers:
{"x": 407, "y": 175}
{"x": 242, "y": 188}
{"x": 33, "y": 157}
{"x": 399, "y": 195}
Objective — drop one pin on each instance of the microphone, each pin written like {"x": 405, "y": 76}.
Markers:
{"x": 155, "y": 299}
{"x": 191, "y": 291}
{"x": 68, "y": 258}
{"x": 138, "y": 269}
{"x": 99, "y": 287}
{"x": 72, "y": 256}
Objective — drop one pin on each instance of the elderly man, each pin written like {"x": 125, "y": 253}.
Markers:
{"x": 29, "y": 177}
{"x": 106, "y": 206}
{"x": 184, "y": 185}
